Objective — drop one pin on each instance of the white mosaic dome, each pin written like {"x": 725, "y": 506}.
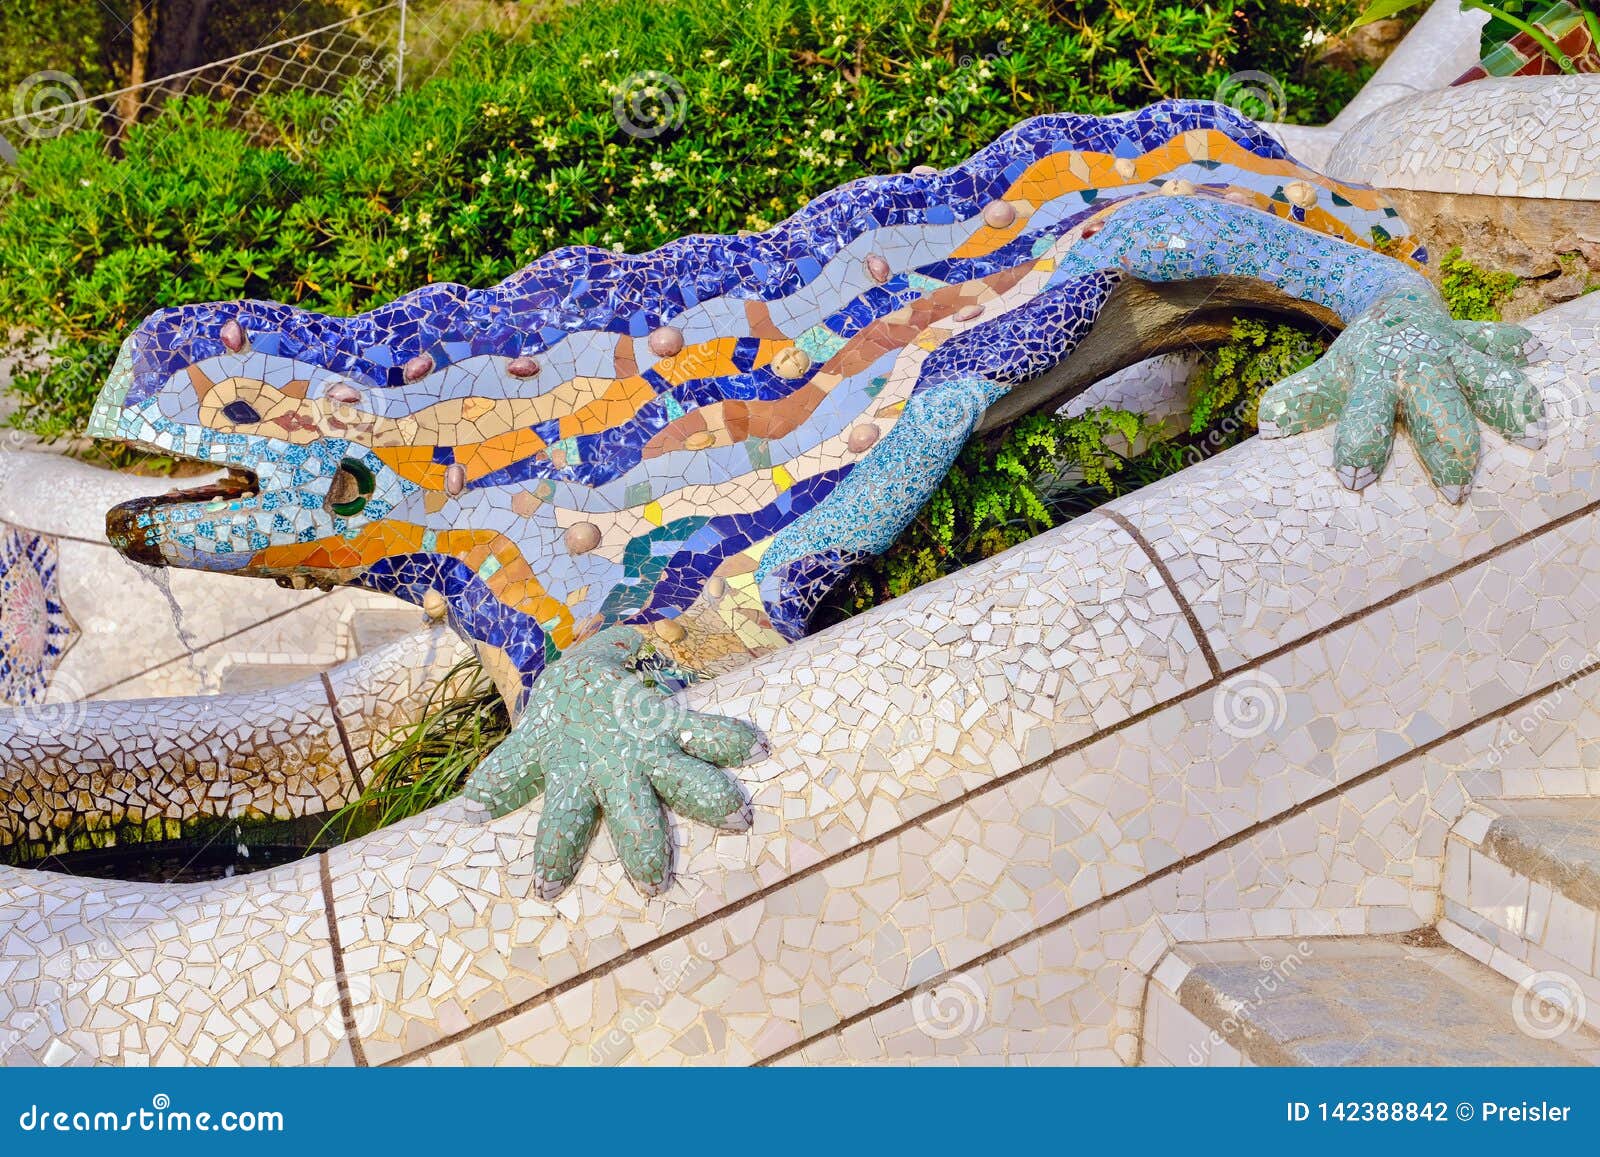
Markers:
{"x": 1529, "y": 136}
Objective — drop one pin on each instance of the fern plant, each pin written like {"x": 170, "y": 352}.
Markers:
{"x": 1236, "y": 374}
{"x": 1471, "y": 293}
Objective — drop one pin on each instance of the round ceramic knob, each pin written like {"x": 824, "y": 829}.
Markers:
{"x": 455, "y": 479}
{"x": 582, "y": 537}
{"x": 417, "y": 368}
{"x": 862, "y": 437}
{"x": 232, "y": 335}
{"x": 669, "y": 631}
{"x": 434, "y": 605}
{"x": 1238, "y": 197}
{"x": 699, "y": 440}
{"x": 343, "y": 393}
{"x": 523, "y": 367}
{"x": 792, "y": 362}
{"x": 665, "y": 341}
{"x": 716, "y": 586}
{"x": 1125, "y": 168}
{"x": 1301, "y": 193}
{"x": 1092, "y": 227}
{"x": 877, "y": 268}
{"x": 999, "y": 214}
{"x": 968, "y": 312}
{"x": 1178, "y": 188}
{"x": 924, "y": 171}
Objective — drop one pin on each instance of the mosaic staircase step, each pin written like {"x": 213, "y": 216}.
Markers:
{"x": 243, "y": 677}
{"x": 1363, "y": 1000}
{"x": 1522, "y": 893}
{"x": 1555, "y": 842}
{"x": 372, "y": 628}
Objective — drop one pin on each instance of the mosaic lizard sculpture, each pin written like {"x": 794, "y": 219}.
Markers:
{"x": 607, "y": 457}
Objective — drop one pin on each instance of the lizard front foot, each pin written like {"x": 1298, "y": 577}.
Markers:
{"x": 1405, "y": 355}
{"x": 595, "y": 740}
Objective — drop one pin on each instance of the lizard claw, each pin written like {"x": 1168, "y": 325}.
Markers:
{"x": 1356, "y": 477}
{"x": 1406, "y": 360}
{"x": 602, "y": 746}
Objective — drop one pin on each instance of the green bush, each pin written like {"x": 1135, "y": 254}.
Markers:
{"x": 516, "y": 149}
{"x": 994, "y": 497}
{"x": 1471, "y": 293}
{"x": 1235, "y": 374}
{"x": 427, "y": 762}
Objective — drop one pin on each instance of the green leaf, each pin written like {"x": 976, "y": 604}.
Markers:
{"x": 1382, "y": 10}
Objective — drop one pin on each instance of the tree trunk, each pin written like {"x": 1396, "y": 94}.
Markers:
{"x": 179, "y": 38}
{"x": 142, "y": 27}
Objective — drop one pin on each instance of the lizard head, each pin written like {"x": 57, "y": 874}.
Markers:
{"x": 296, "y": 439}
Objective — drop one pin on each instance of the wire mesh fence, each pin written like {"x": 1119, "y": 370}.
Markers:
{"x": 364, "y": 57}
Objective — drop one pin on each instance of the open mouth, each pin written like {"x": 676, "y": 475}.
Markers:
{"x": 135, "y": 527}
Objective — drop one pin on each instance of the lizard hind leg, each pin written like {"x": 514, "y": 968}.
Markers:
{"x": 876, "y": 501}
{"x": 864, "y": 514}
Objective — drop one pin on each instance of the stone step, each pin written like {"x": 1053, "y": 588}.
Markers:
{"x": 1359, "y": 1000}
{"x": 365, "y": 631}
{"x": 1522, "y": 893}
{"x": 374, "y": 627}
{"x": 243, "y": 678}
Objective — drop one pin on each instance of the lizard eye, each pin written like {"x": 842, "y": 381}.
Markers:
{"x": 350, "y": 488}
{"x": 240, "y": 412}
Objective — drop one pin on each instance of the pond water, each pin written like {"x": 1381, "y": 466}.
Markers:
{"x": 171, "y": 863}
{"x": 230, "y": 851}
